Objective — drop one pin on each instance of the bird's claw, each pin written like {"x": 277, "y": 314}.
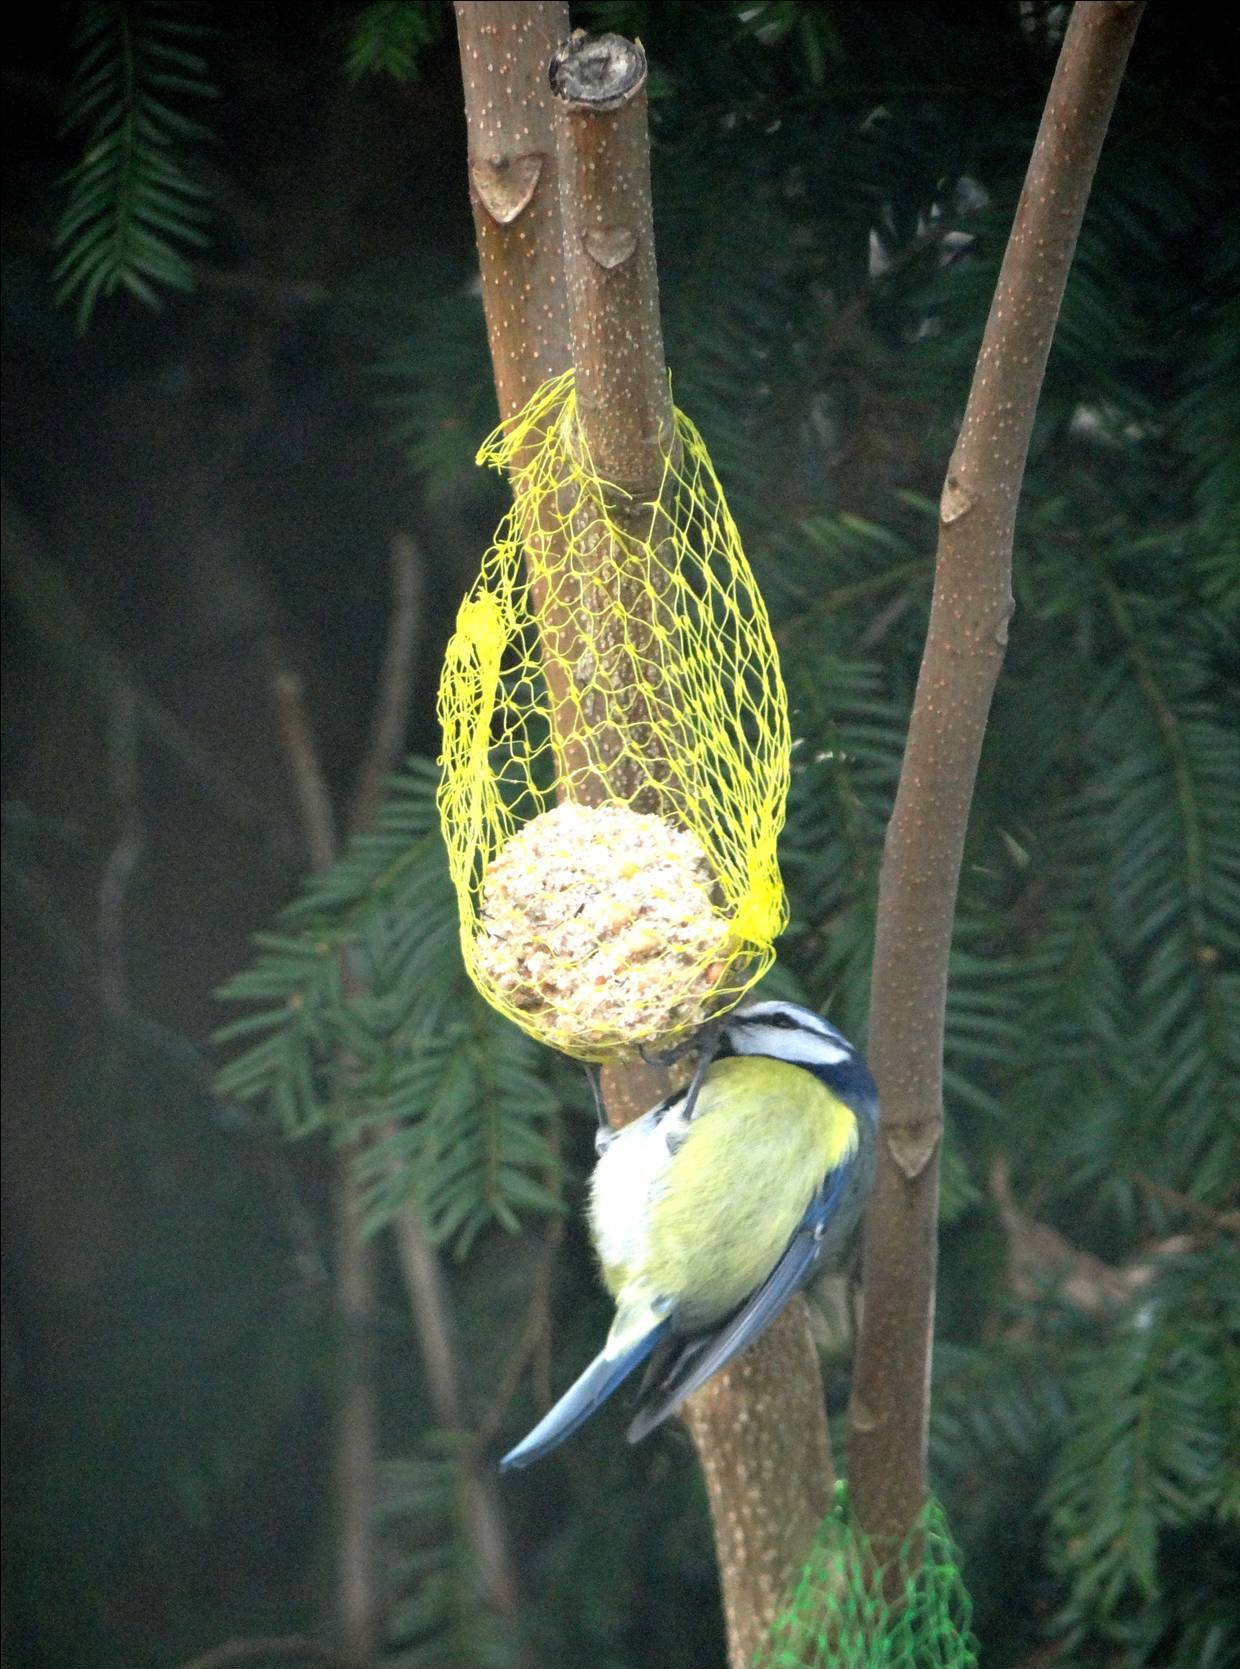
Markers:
{"x": 604, "y": 1134}
{"x": 703, "y": 1041}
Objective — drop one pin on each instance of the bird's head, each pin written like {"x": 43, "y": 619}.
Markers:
{"x": 787, "y": 1032}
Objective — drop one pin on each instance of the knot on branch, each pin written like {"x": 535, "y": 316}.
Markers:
{"x": 506, "y": 185}
{"x": 957, "y": 501}
{"x": 597, "y": 72}
{"x": 609, "y": 246}
{"x": 912, "y": 1146}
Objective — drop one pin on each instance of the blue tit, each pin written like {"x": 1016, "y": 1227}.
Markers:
{"x": 710, "y": 1211}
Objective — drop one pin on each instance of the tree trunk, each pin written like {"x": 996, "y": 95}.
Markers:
{"x": 965, "y": 644}
{"x": 769, "y": 1492}
{"x": 759, "y": 1426}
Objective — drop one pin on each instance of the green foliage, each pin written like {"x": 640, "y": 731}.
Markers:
{"x": 362, "y": 1020}
{"x": 389, "y": 35}
{"x": 1148, "y": 1445}
{"x": 830, "y": 220}
{"x": 774, "y": 22}
{"x": 438, "y": 1618}
{"x": 478, "y": 1152}
{"x": 132, "y": 208}
{"x": 436, "y": 373}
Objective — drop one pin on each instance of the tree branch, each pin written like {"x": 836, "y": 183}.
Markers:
{"x": 301, "y": 1650}
{"x": 506, "y": 49}
{"x": 506, "y": 46}
{"x": 428, "y": 1299}
{"x": 391, "y": 714}
{"x": 759, "y": 1426}
{"x": 418, "y": 1260}
{"x": 125, "y": 855}
{"x": 624, "y": 425}
{"x": 314, "y": 803}
{"x": 603, "y": 236}
{"x": 965, "y": 644}
{"x": 51, "y": 611}
{"x": 353, "y": 1459}
{"x": 624, "y": 404}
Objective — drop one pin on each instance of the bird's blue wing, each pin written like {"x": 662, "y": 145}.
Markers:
{"x": 694, "y": 1362}
{"x": 581, "y": 1400}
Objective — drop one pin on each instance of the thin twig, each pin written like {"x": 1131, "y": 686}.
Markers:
{"x": 428, "y": 1299}
{"x": 1173, "y": 736}
{"x": 844, "y": 596}
{"x": 418, "y": 1259}
{"x": 355, "y": 1434}
{"x": 533, "y": 1331}
{"x": 124, "y": 856}
{"x": 318, "y": 820}
{"x": 391, "y": 715}
{"x": 882, "y": 623}
{"x": 234, "y": 1653}
{"x": 1224, "y": 1222}
{"x": 54, "y": 614}
{"x": 536, "y": 1328}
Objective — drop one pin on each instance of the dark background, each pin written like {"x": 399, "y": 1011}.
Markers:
{"x": 183, "y": 488}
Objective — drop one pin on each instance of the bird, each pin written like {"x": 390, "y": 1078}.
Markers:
{"x": 711, "y": 1210}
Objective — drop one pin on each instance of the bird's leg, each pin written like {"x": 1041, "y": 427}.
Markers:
{"x": 705, "y": 1041}
{"x": 604, "y": 1135}
{"x": 707, "y": 1050}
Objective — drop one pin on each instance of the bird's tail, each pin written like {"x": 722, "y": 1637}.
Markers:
{"x": 581, "y": 1400}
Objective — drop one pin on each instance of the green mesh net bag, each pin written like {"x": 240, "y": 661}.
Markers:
{"x": 847, "y": 1613}
{"x": 615, "y": 749}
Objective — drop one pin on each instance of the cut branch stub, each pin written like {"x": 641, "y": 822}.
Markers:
{"x": 599, "y": 72}
{"x": 623, "y": 399}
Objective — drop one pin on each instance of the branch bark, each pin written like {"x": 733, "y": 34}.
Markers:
{"x": 355, "y": 1433}
{"x": 965, "y": 644}
{"x": 301, "y": 1650}
{"x": 759, "y": 1426}
{"x": 428, "y": 1295}
{"x": 624, "y": 404}
{"x": 506, "y": 46}
{"x": 391, "y": 714}
{"x": 624, "y": 421}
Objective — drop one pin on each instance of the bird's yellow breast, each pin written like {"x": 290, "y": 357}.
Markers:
{"x": 764, "y": 1136}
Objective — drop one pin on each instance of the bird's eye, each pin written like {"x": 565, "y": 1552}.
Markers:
{"x": 783, "y": 1020}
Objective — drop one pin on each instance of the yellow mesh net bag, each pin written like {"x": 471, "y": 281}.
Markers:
{"x": 615, "y": 749}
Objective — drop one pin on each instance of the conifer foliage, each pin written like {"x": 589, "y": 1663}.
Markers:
{"x": 132, "y": 207}
{"x": 833, "y": 185}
